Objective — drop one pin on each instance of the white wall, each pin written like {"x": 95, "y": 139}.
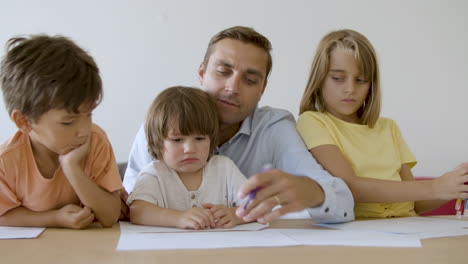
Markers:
{"x": 143, "y": 47}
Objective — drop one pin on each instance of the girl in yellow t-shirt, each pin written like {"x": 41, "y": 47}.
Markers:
{"x": 340, "y": 124}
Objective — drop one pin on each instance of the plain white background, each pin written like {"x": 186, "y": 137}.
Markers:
{"x": 143, "y": 47}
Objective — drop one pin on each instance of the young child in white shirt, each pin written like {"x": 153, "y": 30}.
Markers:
{"x": 185, "y": 186}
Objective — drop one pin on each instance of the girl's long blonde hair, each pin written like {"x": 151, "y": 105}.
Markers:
{"x": 365, "y": 55}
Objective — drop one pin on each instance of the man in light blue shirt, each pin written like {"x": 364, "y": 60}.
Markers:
{"x": 234, "y": 71}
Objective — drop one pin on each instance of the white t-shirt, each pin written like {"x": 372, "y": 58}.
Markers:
{"x": 160, "y": 185}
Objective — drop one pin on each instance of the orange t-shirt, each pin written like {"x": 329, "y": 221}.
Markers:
{"x": 22, "y": 184}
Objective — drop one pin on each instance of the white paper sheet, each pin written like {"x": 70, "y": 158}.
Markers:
{"x": 126, "y": 227}
{"x": 7, "y": 232}
{"x": 396, "y": 232}
{"x": 425, "y": 227}
{"x": 444, "y": 233}
{"x": 351, "y": 238}
{"x": 203, "y": 240}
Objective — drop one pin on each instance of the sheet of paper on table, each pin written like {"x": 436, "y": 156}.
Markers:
{"x": 154, "y": 238}
{"x": 7, "y": 232}
{"x": 203, "y": 240}
{"x": 423, "y": 227}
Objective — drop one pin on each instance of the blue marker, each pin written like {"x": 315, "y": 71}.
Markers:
{"x": 252, "y": 193}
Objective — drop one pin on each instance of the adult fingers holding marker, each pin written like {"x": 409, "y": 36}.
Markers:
{"x": 275, "y": 187}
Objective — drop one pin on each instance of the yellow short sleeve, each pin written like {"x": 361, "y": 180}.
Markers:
{"x": 406, "y": 156}
{"x": 313, "y": 129}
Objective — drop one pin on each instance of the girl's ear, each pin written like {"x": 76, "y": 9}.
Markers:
{"x": 21, "y": 122}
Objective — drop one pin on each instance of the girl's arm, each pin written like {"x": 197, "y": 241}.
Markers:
{"x": 420, "y": 206}
{"x": 145, "y": 213}
{"x": 367, "y": 190}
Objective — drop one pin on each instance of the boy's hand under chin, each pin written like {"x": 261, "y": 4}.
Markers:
{"x": 75, "y": 157}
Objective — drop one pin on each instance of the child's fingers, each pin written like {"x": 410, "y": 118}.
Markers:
{"x": 216, "y": 208}
{"x": 203, "y": 218}
{"x": 198, "y": 219}
{"x": 86, "y": 221}
{"x": 223, "y": 221}
{"x": 213, "y": 208}
{"x": 208, "y": 205}
{"x": 86, "y": 216}
{"x": 462, "y": 169}
{"x": 464, "y": 164}
{"x": 464, "y": 179}
{"x": 219, "y": 213}
{"x": 72, "y": 208}
{"x": 83, "y": 213}
{"x": 82, "y": 221}
{"x": 87, "y": 210}
{"x": 229, "y": 224}
{"x": 192, "y": 223}
{"x": 211, "y": 218}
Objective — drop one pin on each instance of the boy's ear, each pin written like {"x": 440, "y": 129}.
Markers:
{"x": 21, "y": 122}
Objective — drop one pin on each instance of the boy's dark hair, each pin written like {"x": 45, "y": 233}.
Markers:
{"x": 245, "y": 34}
{"x": 43, "y": 72}
{"x": 188, "y": 110}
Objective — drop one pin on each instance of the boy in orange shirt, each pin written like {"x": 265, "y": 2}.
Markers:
{"x": 59, "y": 169}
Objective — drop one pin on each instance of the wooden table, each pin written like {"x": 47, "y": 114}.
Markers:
{"x": 97, "y": 245}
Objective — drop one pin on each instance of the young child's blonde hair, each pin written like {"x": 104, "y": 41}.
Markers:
{"x": 366, "y": 60}
{"x": 187, "y": 110}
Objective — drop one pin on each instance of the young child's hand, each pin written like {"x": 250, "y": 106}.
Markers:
{"x": 225, "y": 217}
{"x": 75, "y": 156}
{"x": 74, "y": 216}
{"x": 196, "y": 218}
{"x": 451, "y": 185}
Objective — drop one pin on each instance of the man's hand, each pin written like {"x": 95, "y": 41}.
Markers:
{"x": 293, "y": 193}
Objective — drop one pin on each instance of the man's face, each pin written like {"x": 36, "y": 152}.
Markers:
{"x": 235, "y": 76}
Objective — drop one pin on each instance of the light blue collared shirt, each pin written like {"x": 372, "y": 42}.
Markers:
{"x": 268, "y": 135}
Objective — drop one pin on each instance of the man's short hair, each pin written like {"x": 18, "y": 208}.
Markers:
{"x": 245, "y": 34}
